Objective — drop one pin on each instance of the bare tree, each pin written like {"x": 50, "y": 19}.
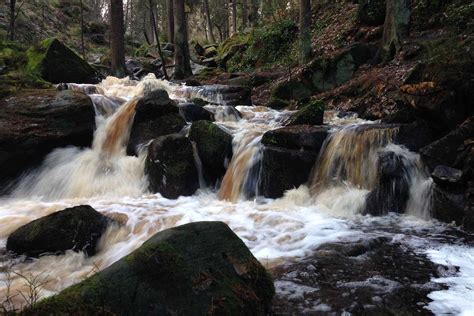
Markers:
{"x": 182, "y": 68}
{"x": 305, "y": 34}
{"x": 209, "y": 23}
{"x": 245, "y": 14}
{"x": 234, "y": 15}
{"x": 171, "y": 21}
{"x": 157, "y": 35}
{"x": 117, "y": 38}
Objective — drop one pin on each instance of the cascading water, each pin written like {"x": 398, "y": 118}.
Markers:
{"x": 277, "y": 231}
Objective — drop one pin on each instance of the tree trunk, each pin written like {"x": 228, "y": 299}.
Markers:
{"x": 117, "y": 38}
{"x": 245, "y": 14}
{"x": 170, "y": 21}
{"x": 11, "y": 31}
{"x": 209, "y": 23}
{"x": 234, "y": 16}
{"x": 396, "y": 27}
{"x": 254, "y": 13}
{"x": 82, "y": 31}
{"x": 157, "y": 35}
{"x": 182, "y": 67}
{"x": 305, "y": 34}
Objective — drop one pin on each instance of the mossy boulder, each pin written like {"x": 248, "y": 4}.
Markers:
{"x": 34, "y": 122}
{"x": 199, "y": 268}
{"x": 371, "y": 12}
{"x": 77, "y": 228}
{"x": 299, "y": 137}
{"x": 55, "y": 62}
{"x": 155, "y": 115}
{"x": 170, "y": 167}
{"x": 312, "y": 114}
{"x": 214, "y": 148}
{"x": 192, "y": 112}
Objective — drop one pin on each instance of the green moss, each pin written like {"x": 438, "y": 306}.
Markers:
{"x": 312, "y": 114}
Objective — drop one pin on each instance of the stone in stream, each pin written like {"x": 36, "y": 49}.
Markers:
{"x": 288, "y": 157}
{"x": 77, "y": 228}
{"x": 34, "y": 122}
{"x": 170, "y": 167}
{"x": 199, "y": 268}
{"x": 192, "y": 112}
{"x": 392, "y": 189}
{"x": 155, "y": 115}
{"x": 56, "y": 63}
{"x": 214, "y": 147}
{"x": 312, "y": 114}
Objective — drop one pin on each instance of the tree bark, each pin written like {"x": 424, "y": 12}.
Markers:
{"x": 157, "y": 35}
{"x": 305, "y": 34}
{"x": 209, "y": 23}
{"x": 182, "y": 63}
{"x": 245, "y": 14}
{"x": 117, "y": 38}
{"x": 254, "y": 13}
{"x": 170, "y": 14}
{"x": 82, "y": 31}
{"x": 11, "y": 31}
{"x": 396, "y": 27}
{"x": 234, "y": 16}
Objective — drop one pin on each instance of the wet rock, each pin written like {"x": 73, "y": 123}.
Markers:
{"x": 284, "y": 169}
{"x": 34, "y": 122}
{"x": 214, "y": 148}
{"x": 444, "y": 175}
{"x": 197, "y": 268}
{"x": 56, "y": 63}
{"x": 192, "y": 83}
{"x": 170, "y": 167}
{"x": 298, "y": 137}
{"x": 78, "y": 228}
{"x": 445, "y": 150}
{"x": 225, "y": 94}
{"x": 210, "y": 62}
{"x": 376, "y": 276}
{"x": 415, "y": 135}
{"x": 277, "y": 103}
{"x": 449, "y": 205}
{"x": 192, "y": 112}
{"x": 392, "y": 189}
{"x": 311, "y": 114}
{"x": 371, "y": 12}
{"x": 156, "y": 115}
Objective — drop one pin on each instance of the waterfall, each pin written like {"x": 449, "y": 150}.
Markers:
{"x": 101, "y": 170}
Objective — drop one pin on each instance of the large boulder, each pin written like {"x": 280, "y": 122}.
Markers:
{"x": 214, "y": 147}
{"x": 288, "y": 157}
{"x": 312, "y": 114}
{"x": 170, "y": 166}
{"x": 192, "y": 112}
{"x": 155, "y": 115}
{"x": 34, "y": 122}
{"x": 194, "y": 269}
{"x": 56, "y": 63}
{"x": 77, "y": 228}
{"x": 392, "y": 189}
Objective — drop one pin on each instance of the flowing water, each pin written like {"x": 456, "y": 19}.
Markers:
{"x": 277, "y": 231}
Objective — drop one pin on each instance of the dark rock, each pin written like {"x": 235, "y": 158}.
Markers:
{"x": 449, "y": 205}
{"x": 78, "y": 228}
{"x": 57, "y": 63}
{"x": 392, "y": 189}
{"x": 223, "y": 94}
{"x": 192, "y": 83}
{"x": 277, "y": 103}
{"x": 210, "y": 62}
{"x": 214, "y": 148}
{"x": 199, "y": 49}
{"x": 311, "y": 114}
{"x": 192, "y": 112}
{"x": 284, "y": 169}
{"x": 415, "y": 135}
{"x": 298, "y": 137}
{"x": 33, "y": 123}
{"x": 156, "y": 115}
{"x": 194, "y": 269}
{"x": 210, "y": 52}
{"x": 444, "y": 175}
{"x": 199, "y": 102}
{"x": 371, "y": 12}
{"x": 170, "y": 167}
{"x": 445, "y": 150}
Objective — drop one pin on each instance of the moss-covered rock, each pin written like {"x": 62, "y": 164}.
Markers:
{"x": 195, "y": 269}
{"x": 192, "y": 112}
{"x": 312, "y": 114}
{"x": 55, "y": 62}
{"x": 155, "y": 115}
{"x": 170, "y": 166}
{"x": 78, "y": 228}
{"x": 299, "y": 137}
{"x": 214, "y": 148}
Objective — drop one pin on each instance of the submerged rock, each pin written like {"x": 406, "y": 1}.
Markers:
{"x": 77, "y": 228}
{"x": 214, "y": 147}
{"x": 34, "y": 122}
{"x": 392, "y": 189}
{"x": 56, "y": 63}
{"x": 155, "y": 115}
{"x": 170, "y": 167}
{"x": 194, "y": 269}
